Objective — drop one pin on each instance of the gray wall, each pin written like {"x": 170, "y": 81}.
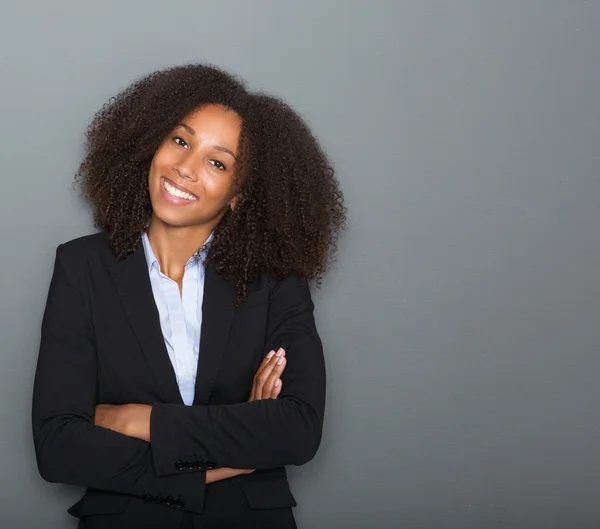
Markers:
{"x": 461, "y": 320}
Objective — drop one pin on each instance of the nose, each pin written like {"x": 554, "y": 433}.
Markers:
{"x": 185, "y": 170}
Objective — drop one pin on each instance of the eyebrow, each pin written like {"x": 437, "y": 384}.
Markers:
{"x": 217, "y": 147}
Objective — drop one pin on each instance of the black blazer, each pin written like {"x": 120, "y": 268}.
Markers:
{"x": 102, "y": 343}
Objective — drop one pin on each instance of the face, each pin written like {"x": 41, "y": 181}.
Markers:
{"x": 191, "y": 178}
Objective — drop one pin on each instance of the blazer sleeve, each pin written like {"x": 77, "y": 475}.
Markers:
{"x": 259, "y": 434}
{"x": 69, "y": 447}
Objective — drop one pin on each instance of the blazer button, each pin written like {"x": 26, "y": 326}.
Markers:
{"x": 202, "y": 465}
{"x": 210, "y": 465}
{"x": 179, "y": 464}
{"x": 159, "y": 499}
{"x": 149, "y": 497}
{"x": 169, "y": 501}
{"x": 190, "y": 464}
{"x": 180, "y": 504}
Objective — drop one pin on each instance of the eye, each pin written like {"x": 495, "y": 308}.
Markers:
{"x": 219, "y": 165}
{"x": 179, "y": 141}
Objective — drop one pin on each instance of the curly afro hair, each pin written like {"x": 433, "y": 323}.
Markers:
{"x": 290, "y": 208}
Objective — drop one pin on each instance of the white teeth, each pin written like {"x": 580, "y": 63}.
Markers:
{"x": 173, "y": 191}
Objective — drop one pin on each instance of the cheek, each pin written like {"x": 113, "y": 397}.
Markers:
{"x": 153, "y": 181}
{"x": 160, "y": 159}
{"x": 154, "y": 171}
{"x": 161, "y": 162}
{"x": 220, "y": 187}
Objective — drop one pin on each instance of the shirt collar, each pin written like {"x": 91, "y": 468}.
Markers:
{"x": 203, "y": 250}
{"x": 152, "y": 261}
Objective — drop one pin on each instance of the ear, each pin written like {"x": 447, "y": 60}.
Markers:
{"x": 233, "y": 202}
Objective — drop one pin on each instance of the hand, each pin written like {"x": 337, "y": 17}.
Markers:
{"x": 219, "y": 474}
{"x": 132, "y": 420}
{"x": 267, "y": 380}
{"x": 267, "y": 385}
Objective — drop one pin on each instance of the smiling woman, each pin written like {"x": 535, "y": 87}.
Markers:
{"x": 180, "y": 369}
{"x": 196, "y": 160}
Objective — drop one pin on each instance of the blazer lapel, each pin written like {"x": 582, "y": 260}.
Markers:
{"x": 217, "y": 315}
{"x": 133, "y": 284}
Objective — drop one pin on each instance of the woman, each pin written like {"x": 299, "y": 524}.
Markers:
{"x": 180, "y": 369}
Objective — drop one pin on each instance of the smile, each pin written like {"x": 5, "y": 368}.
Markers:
{"x": 175, "y": 192}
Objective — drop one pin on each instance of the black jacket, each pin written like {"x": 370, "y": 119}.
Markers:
{"x": 102, "y": 344}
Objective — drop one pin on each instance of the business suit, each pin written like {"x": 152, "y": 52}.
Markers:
{"x": 102, "y": 343}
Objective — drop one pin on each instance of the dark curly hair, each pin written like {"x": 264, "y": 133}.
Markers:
{"x": 290, "y": 208}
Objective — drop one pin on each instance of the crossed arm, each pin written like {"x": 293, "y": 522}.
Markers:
{"x": 133, "y": 420}
{"x": 73, "y": 445}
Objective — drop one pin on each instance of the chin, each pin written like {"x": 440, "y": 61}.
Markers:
{"x": 166, "y": 215}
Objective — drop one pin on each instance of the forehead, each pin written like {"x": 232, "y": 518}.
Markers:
{"x": 215, "y": 119}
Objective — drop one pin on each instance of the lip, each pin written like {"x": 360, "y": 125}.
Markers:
{"x": 177, "y": 201}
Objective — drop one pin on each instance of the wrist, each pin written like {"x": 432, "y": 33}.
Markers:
{"x": 137, "y": 421}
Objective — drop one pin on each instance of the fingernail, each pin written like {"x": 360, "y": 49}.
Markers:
{"x": 271, "y": 354}
{"x": 277, "y": 382}
{"x": 280, "y": 352}
{"x": 280, "y": 361}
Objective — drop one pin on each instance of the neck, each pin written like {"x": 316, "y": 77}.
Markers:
{"x": 173, "y": 246}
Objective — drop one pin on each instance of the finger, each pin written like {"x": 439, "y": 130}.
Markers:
{"x": 263, "y": 364}
{"x": 269, "y": 361}
{"x": 272, "y": 389}
{"x": 266, "y": 360}
{"x": 275, "y": 375}
{"x": 267, "y": 387}
{"x": 276, "y": 389}
{"x": 262, "y": 375}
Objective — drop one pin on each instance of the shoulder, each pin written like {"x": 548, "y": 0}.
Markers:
{"x": 81, "y": 249}
{"x": 271, "y": 284}
{"x": 291, "y": 287}
{"x": 266, "y": 288}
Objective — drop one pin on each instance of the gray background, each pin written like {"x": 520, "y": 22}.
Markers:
{"x": 461, "y": 320}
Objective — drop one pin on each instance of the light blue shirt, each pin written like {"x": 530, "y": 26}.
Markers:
{"x": 180, "y": 315}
